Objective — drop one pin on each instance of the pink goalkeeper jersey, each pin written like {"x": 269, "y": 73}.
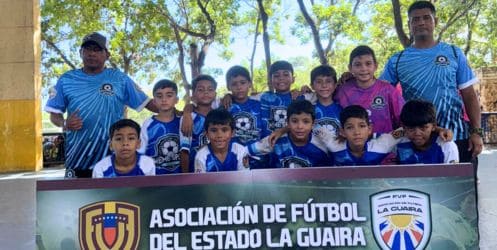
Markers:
{"x": 382, "y": 101}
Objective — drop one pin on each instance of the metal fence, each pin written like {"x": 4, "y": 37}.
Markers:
{"x": 489, "y": 125}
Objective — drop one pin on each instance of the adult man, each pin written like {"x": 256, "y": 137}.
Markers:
{"x": 439, "y": 73}
{"x": 94, "y": 97}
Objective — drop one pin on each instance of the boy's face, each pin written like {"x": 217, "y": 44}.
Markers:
{"x": 282, "y": 80}
{"x": 204, "y": 93}
{"x": 324, "y": 86}
{"x": 239, "y": 87}
{"x": 300, "y": 126}
{"x": 356, "y": 131}
{"x": 125, "y": 142}
{"x": 165, "y": 99}
{"x": 363, "y": 68}
{"x": 219, "y": 136}
{"x": 420, "y": 136}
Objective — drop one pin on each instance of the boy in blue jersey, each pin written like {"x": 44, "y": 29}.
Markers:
{"x": 423, "y": 145}
{"x": 274, "y": 104}
{"x": 160, "y": 133}
{"x": 323, "y": 82}
{"x": 298, "y": 148}
{"x": 220, "y": 154}
{"x": 204, "y": 93}
{"x": 246, "y": 112}
{"x": 358, "y": 149}
{"x": 125, "y": 161}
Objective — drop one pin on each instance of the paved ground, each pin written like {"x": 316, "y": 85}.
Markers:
{"x": 487, "y": 198}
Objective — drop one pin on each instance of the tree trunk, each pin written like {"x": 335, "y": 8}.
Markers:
{"x": 315, "y": 33}
{"x": 265, "y": 39}
{"x": 399, "y": 28}
{"x": 256, "y": 35}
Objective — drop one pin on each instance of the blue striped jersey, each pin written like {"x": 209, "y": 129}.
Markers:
{"x": 160, "y": 140}
{"x": 100, "y": 101}
{"x": 328, "y": 116}
{"x": 106, "y": 167}
{"x": 435, "y": 74}
{"x": 248, "y": 122}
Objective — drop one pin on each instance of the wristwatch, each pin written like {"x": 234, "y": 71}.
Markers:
{"x": 478, "y": 131}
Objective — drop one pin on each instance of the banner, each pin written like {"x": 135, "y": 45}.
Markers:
{"x": 398, "y": 207}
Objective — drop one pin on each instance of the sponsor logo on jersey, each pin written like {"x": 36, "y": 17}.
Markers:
{"x": 401, "y": 219}
{"x": 107, "y": 89}
{"x": 109, "y": 225}
{"x": 442, "y": 60}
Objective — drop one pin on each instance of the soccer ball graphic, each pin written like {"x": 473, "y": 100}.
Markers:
{"x": 243, "y": 123}
{"x": 170, "y": 150}
{"x": 280, "y": 118}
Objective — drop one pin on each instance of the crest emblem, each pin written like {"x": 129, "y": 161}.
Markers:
{"x": 109, "y": 225}
{"x": 401, "y": 219}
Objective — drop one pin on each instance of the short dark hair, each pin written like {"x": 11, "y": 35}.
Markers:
{"x": 124, "y": 123}
{"x": 280, "y": 65}
{"x": 165, "y": 83}
{"x": 203, "y": 78}
{"x": 418, "y": 113}
{"x": 300, "y": 106}
{"x": 353, "y": 111}
{"x": 219, "y": 116}
{"x": 235, "y": 71}
{"x": 421, "y": 5}
{"x": 361, "y": 50}
{"x": 323, "y": 70}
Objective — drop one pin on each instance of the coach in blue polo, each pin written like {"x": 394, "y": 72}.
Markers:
{"x": 93, "y": 98}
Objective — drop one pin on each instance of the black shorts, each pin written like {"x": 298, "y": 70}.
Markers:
{"x": 78, "y": 173}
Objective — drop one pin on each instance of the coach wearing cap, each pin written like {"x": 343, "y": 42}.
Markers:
{"x": 93, "y": 98}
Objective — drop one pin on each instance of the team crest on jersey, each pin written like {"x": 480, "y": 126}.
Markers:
{"x": 107, "y": 89}
{"x": 109, "y": 225}
{"x": 167, "y": 152}
{"x": 401, "y": 219}
{"x": 245, "y": 128}
{"x": 294, "y": 162}
{"x": 442, "y": 60}
{"x": 378, "y": 102}
{"x": 330, "y": 124}
{"x": 277, "y": 119}
{"x": 202, "y": 140}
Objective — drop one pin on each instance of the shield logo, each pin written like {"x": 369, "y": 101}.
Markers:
{"x": 109, "y": 225}
{"x": 401, "y": 219}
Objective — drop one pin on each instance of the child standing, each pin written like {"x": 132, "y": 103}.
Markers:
{"x": 204, "y": 93}
{"x": 124, "y": 161}
{"x": 422, "y": 144}
{"x": 160, "y": 133}
{"x": 381, "y": 100}
{"x": 298, "y": 148}
{"x": 220, "y": 154}
{"x": 274, "y": 104}
{"x": 323, "y": 82}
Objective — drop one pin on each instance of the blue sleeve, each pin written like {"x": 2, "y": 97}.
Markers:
{"x": 464, "y": 75}
{"x": 136, "y": 98}
{"x": 389, "y": 73}
{"x": 56, "y": 102}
